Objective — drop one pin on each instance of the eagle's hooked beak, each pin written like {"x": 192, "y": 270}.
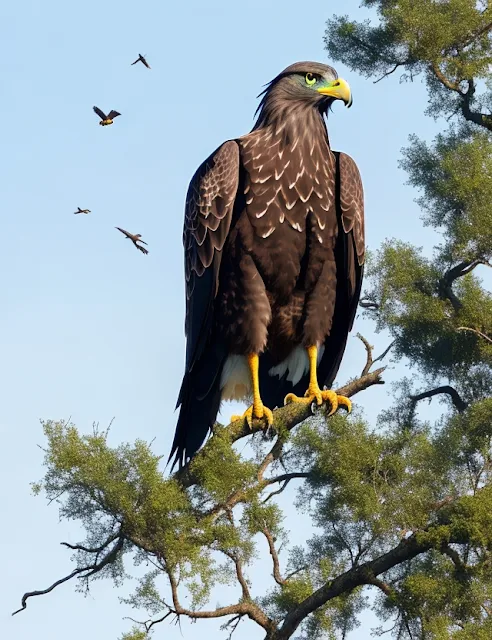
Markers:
{"x": 339, "y": 90}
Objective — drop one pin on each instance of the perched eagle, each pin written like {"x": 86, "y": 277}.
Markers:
{"x": 274, "y": 252}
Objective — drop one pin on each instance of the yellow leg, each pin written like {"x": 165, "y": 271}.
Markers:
{"x": 257, "y": 409}
{"x": 314, "y": 392}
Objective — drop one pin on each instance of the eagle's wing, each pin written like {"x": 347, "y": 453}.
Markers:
{"x": 113, "y": 114}
{"x": 349, "y": 255}
{"x": 126, "y": 233}
{"x": 208, "y": 214}
{"x": 100, "y": 113}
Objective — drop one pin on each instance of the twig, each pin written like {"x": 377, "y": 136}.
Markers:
{"x": 385, "y": 352}
{"x": 79, "y": 547}
{"x": 148, "y": 624}
{"x": 233, "y": 622}
{"x": 456, "y": 399}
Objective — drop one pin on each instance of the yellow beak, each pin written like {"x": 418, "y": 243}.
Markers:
{"x": 339, "y": 90}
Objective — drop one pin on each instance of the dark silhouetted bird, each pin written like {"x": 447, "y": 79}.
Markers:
{"x": 142, "y": 59}
{"x": 134, "y": 237}
{"x": 79, "y": 210}
{"x": 106, "y": 119}
{"x": 274, "y": 252}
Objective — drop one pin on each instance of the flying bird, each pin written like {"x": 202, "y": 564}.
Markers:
{"x": 79, "y": 210}
{"x": 106, "y": 119}
{"x": 274, "y": 252}
{"x": 141, "y": 59}
{"x": 134, "y": 237}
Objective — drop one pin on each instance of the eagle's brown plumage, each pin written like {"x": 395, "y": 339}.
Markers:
{"x": 271, "y": 266}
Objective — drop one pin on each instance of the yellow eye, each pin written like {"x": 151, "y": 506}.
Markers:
{"x": 310, "y": 79}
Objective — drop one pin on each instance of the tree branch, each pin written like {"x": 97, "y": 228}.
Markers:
{"x": 479, "y": 333}
{"x": 88, "y": 571}
{"x": 365, "y": 573}
{"x": 273, "y": 552}
{"x": 285, "y": 419}
{"x": 456, "y": 399}
{"x": 247, "y": 608}
{"x": 369, "y": 349}
{"x": 458, "y": 271}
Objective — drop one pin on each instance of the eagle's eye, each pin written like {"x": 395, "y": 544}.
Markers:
{"x": 310, "y": 79}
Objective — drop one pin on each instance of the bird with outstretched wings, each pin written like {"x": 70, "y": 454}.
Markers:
{"x": 135, "y": 238}
{"x": 106, "y": 119}
{"x": 141, "y": 59}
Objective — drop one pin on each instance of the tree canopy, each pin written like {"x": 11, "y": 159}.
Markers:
{"x": 403, "y": 507}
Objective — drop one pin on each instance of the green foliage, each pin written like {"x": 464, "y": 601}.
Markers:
{"x": 403, "y": 508}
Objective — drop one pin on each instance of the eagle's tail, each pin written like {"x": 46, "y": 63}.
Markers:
{"x": 199, "y": 399}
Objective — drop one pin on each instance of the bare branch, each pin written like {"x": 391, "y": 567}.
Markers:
{"x": 456, "y": 399}
{"x": 369, "y": 359}
{"x": 148, "y": 624}
{"x": 396, "y": 66}
{"x": 287, "y": 477}
{"x": 233, "y": 623}
{"x": 458, "y": 271}
{"x": 83, "y": 572}
{"x": 239, "y": 572}
{"x": 479, "y": 333}
{"x": 79, "y": 547}
{"x": 273, "y": 552}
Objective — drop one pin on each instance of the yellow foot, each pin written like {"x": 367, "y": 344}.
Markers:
{"x": 251, "y": 414}
{"x": 315, "y": 394}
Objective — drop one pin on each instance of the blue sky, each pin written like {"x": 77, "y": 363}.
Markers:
{"x": 92, "y": 329}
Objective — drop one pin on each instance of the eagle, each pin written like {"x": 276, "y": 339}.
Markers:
{"x": 274, "y": 256}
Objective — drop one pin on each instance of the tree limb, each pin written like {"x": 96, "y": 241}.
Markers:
{"x": 365, "y": 573}
{"x": 458, "y": 271}
{"x": 273, "y": 552}
{"x": 285, "y": 418}
{"x": 456, "y": 399}
{"x": 479, "y": 333}
{"x": 247, "y": 608}
{"x": 88, "y": 571}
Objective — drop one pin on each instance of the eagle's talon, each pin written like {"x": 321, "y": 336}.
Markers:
{"x": 255, "y": 413}
{"x": 317, "y": 396}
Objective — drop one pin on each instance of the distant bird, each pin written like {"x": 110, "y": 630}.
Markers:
{"x": 79, "y": 210}
{"x": 274, "y": 257}
{"x": 141, "y": 59}
{"x": 106, "y": 119}
{"x": 134, "y": 237}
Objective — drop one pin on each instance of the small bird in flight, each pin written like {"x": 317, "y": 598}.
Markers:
{"x": 79, "y": 210}
{"x": 141, "y": 59}
{"x": 106, "y": 119}
{"x": 134, "y": 238}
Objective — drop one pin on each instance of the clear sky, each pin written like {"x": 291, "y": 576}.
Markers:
{"x": 92, "y": 329}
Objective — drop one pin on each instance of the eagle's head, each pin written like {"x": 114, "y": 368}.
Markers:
{"x": 307, "y": 84}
